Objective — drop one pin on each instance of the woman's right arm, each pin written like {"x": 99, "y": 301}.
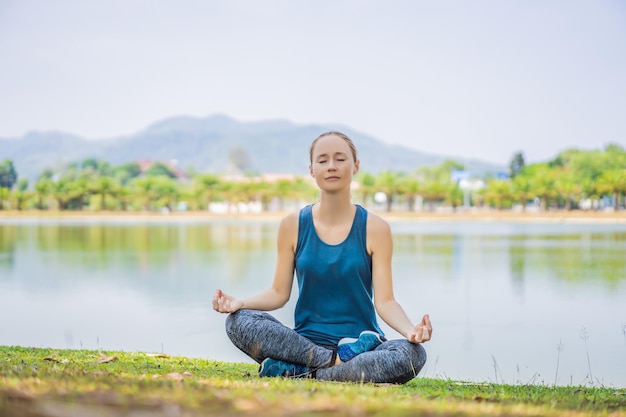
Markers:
{"x": 278, "y": 294}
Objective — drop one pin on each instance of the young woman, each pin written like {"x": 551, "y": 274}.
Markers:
{"x": 341, "y": 255}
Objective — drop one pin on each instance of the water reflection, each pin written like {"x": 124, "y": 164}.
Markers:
{"x": 497, "y": 291}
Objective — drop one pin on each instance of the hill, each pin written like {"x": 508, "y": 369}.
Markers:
{"x": 214, "y": 144}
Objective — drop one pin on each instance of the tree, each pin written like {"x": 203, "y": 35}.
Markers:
{"x": 43, "y": 187}
{"x": 240, "y": 158}
{"x": 125, "y": 173}
{"x": 159, "y": 169}
{"x": 146, "y": 190}
{"x": 521, "y": 189}
{"x": 124, "y": 197}
{"x": 568, "y": 187}
{"x": 21, "y": 194}
{"x": 367, "y": 183}
{"x": 454, "y": 196}
{"x": 281, "y": 190}
{"x": 96, "y": 166}
{"x": 542, "y": 181}
{"x": 47, "y": 173}
{"x": 167, "y": 191}
{"x": 70, "y": 193}
{"x": 433, "y": 192}
{"x": 4, "y": 195}
{"x": 516, "y": 165}
{"x": 498, "y": 193}
{"x": 207, "y": 186}
{"x": 409, "y": 187}
{"x": 103, "y": 186}
{"x": 8, "y": 175}
{"x": 612, "y": 182}
{"x": 387, "y": 182}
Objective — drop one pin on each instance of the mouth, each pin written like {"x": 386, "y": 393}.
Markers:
{"x": 331, "y": 178}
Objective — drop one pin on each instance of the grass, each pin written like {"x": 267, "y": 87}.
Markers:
{"x": 52, "y": 382}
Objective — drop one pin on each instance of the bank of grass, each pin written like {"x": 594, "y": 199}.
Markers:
{"x": 53, "y": 382}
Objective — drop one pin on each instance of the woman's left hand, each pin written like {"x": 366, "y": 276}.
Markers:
{"x": 422, "y": 332}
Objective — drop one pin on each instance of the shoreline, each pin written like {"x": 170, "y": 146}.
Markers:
{"x": 575, "y": 216}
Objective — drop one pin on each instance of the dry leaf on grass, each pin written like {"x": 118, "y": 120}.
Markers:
{"x": 49, "y": 359}
{"x": 157, "y": 355}
{"x": 106, "y": 359}
{"x": 177, "y": 376}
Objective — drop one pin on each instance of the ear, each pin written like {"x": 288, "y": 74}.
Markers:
{"x": 356, "y": 167}
{"x": 311, "y": 171}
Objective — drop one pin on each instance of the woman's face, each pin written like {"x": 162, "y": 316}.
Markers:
{"x": 333, "y": 165}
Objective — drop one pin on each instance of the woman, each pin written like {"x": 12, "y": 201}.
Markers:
{"x": 342, "y": 258}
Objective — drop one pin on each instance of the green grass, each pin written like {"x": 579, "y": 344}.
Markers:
{"x": 52, "y": 382}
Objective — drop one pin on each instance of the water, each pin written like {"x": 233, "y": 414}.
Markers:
{"x": 508, "y": 301}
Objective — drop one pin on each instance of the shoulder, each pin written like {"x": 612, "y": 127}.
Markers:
{"x": 378, "y": 234}
{"x": 290, "y": 221}
{"x": 376, "y": 224}
{"x": 288, "y": 230}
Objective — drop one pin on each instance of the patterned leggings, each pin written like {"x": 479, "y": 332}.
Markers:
{"x": 260, "y": 336}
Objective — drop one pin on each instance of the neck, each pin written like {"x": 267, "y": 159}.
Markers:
{"x": 335, "y": 206}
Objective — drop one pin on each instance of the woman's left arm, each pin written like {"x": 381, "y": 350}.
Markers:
{"x": 380, "y": 246}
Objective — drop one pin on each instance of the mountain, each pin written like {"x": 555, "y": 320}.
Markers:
{"x": 207, "y": 144}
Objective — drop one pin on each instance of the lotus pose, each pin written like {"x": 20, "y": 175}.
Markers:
{"x": 341, "y": 255}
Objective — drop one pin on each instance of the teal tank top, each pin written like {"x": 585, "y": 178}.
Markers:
{"x": 334, "y": 283}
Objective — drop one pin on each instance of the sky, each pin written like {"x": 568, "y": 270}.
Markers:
{"x": 475, "y": 79}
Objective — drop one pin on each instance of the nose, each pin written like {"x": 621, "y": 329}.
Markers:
{"x": 331, "y": 165}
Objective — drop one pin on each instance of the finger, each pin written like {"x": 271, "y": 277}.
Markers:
{"x": 216, "y": 296}
{"x": 427, "y": 323}
{"x": 418, "y": 334}
{"x": 220, "y": 304}
{"x": 425, "y": 334}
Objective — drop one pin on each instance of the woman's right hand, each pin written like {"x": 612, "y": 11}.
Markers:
{"x": 225, "y": 303}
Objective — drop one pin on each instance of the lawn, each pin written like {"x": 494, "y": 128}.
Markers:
{"x": 53, "y": 382}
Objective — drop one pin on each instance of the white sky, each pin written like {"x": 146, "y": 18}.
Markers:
{"x": 479, "y": 79}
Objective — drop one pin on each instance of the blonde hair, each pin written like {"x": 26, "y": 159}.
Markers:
{"x": 338, "y": 134}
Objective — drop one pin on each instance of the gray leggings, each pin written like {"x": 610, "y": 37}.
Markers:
{"x": 260, "y": 336}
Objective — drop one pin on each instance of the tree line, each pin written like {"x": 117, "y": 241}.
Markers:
{"x": 575, "y": 179}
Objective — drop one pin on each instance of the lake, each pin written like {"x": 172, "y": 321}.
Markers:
{"x": 513, "y": 302}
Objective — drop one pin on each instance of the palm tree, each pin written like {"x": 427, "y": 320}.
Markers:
{"x": 4, "y": 195}
{"x": 454, "y": 195}
{"x": 612, "y": 182}
{"x": 281, "y": 190}
{"x": 166, "y": 191}
{"x": 409, "y": 187}
{"x": 498, "y": 193}
{"x": 387, "y": 182}
{"x": 21, "y": 194}
{"x": 542, "y": 180}
{"x": 43, "y": 187}
{"x": 568, "y": 186}
{"x": 433, "y": 191}
{"x": 124, "y": 197}
{"x": 521, "y": 189}
{"x": 61, "y": 191}
{"x": 145, "y": 189}
{"x": 367, "y": 186}
{"x": 208, "y": 185}
{"x": 103, "y": 186}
